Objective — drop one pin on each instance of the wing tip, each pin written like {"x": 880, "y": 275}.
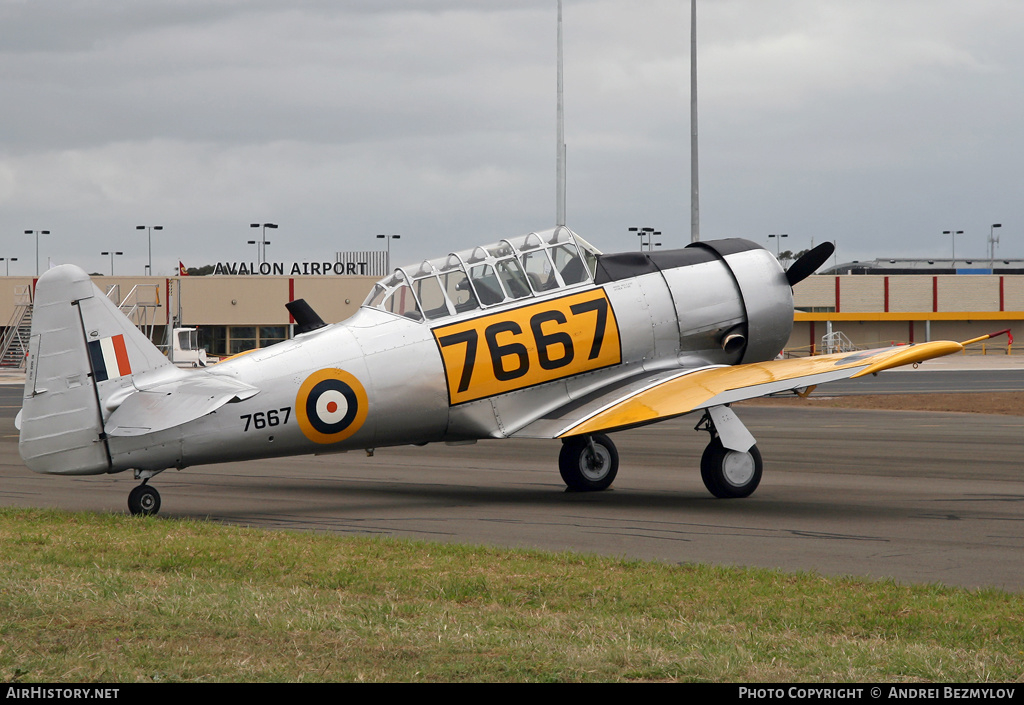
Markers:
{"x": 913, "y": 355}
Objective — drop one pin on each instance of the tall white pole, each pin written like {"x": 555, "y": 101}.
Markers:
{"x": 992, "y": 242}
{"x": 694, "y": 188}
{"x": 560, "y": 146}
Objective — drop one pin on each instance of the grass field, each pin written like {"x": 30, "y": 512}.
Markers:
{"x": 109, "y": 598}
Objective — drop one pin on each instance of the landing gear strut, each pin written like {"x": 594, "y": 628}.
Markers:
{"x": 144, "y": 500}
{"x": 588, "y": 463}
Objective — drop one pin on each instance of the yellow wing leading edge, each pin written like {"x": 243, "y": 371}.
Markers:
{"x": 713, "y": 386}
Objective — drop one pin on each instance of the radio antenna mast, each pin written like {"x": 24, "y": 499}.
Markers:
{"x": 694, "y": 188}
{"x": 560, "y": 145}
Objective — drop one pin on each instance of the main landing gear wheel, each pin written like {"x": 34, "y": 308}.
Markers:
{"x": 144, "y": 501}
{"x": 588, "y": 464}
{"x": 730, "y": 474}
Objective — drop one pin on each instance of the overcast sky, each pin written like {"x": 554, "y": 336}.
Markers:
{"x": 874, "y": 123}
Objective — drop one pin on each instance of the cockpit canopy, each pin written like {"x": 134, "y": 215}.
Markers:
{"x": 512, "y": 269}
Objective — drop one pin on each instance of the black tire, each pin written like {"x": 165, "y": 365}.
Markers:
{"x": 730, "y": 474}
{"x": 144, "y": 501}
{"x": 583, "y": 472}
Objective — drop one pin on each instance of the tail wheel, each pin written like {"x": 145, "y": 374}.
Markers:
{"x": 588, "y": 464}
{"x": 730, "y": 474}
{"x": 144, "y": 501}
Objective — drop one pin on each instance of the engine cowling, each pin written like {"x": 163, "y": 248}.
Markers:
{"x": 766, "y": 294}
{"x": 726, "y": 301}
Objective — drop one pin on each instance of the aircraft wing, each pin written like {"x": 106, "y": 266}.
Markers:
{"x": 665, "y": 395}
{"x": 173, "y": 403}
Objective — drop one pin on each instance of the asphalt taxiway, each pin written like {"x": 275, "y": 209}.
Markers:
{"x": 917, "y": 497}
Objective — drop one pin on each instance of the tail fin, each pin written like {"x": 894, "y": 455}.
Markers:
{"x": 83, "y": 352}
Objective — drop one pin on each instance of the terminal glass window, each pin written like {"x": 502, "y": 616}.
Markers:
{"x": 214, "y": 339}
{"x": 271, "y": 335}
{"x": 243, "y": 338}
{"x": 231, "y": 340}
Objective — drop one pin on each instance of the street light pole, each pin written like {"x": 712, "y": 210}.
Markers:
{"x": 8, "y": 260}
{"x": 642, "y": 233}
{"x": 111, "y": 253}
{"x": 778, "y": 244}
{"x": 388, "y": 239}
{"x": 259, "y": 254}
{"x": 37, "y": 234}
{"x": 261, "y": 258}
{"x": 272, "y": 226}
{"x": 992, "y": 242}
{"x": 150, "y": 229}
{"x": 954, "y": 233}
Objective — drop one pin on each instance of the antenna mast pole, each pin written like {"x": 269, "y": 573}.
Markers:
{"x": 560, "y": 146}
{"x": 694, "y": 189}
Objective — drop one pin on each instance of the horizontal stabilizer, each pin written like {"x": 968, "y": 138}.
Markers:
{"x": 174, "y": 403}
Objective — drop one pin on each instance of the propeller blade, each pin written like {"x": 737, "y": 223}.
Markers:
{"x": 809, "y": 263}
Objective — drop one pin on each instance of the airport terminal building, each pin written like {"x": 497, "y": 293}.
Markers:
{"x": 857, "y": 304}
{"x": 909, "y": 301}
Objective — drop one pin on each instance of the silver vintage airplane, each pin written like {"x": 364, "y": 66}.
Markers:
{"x": 539, "y": 336}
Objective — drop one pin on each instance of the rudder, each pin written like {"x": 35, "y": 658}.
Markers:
{"x": 83, "y": 355}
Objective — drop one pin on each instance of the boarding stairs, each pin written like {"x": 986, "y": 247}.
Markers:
{"x": 139, "y": 306}
{"x": 836, "y": 342}
{"x": 14, "y": 344}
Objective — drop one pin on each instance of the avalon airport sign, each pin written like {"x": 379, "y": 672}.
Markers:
{"x": 368, "y": 263}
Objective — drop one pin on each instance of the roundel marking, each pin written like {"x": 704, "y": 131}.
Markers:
{"x": 331, "y": 406}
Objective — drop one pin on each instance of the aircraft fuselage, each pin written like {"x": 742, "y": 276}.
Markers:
{"x": 381, "y": 379}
